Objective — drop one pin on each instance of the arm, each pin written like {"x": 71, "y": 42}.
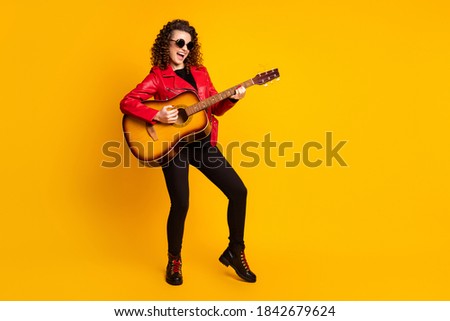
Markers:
{"x": 132, "y": 104}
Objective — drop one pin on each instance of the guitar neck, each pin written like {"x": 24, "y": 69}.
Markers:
{"x": 201, "y": 105}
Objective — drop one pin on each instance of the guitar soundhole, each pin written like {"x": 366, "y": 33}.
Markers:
{"x": 183, "y": 118}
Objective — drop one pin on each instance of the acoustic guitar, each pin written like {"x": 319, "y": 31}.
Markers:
{"x": 157, "y": 144}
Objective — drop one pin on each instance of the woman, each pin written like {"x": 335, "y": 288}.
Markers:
{"x": 176, "y": 59}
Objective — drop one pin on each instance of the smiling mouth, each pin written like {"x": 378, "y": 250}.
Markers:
{"x": 181, "y": 55}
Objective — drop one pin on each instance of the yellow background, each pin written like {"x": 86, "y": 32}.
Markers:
{"x": 375, "y": 74}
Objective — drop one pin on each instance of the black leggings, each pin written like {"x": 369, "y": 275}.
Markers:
{"x": 210, "y": 161}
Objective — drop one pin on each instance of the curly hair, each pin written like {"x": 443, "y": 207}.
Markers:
{"x": 160, "y": 48}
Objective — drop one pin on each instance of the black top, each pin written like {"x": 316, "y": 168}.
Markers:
{"x": 186, "y": 75}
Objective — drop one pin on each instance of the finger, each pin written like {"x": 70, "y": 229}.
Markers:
{"x": 240, "y": 92}
{"x": 239, "y": 95}
{"x": 172, "y": 113}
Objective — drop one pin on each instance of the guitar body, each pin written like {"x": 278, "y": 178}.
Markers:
{"x": 155, "y": 145}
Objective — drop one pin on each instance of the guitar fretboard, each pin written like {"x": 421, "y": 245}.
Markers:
{"x": 201, "y": 105}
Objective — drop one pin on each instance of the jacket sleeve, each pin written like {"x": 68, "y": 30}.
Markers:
{"x": 132, "y": 104}
{"x": 221, "y": 107}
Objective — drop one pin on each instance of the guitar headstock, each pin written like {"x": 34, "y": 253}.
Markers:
{"x": 264, "y": 77}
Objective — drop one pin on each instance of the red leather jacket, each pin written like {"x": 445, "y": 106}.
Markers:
{"x": 164, "y": 85}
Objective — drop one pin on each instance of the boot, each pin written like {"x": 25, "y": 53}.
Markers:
{"x": 173, "y": 270}
{"x": 238, "y": 262}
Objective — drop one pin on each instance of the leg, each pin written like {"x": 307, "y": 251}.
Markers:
{"x": 210, "y": 161}
{"x": 176, "y": 175}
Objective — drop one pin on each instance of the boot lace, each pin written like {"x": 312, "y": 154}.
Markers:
{"x": 244, "y": 261}
{"x": 175, "y": 267}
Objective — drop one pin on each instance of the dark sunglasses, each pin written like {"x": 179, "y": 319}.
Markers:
{"x": 180, "y": 44}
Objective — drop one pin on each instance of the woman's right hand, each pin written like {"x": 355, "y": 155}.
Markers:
{"x": 167, "y": 115}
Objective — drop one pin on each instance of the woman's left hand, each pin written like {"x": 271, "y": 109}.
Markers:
{"x": 240, "y": 93}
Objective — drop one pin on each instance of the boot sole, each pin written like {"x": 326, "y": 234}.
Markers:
{"x": 174, "y": 283}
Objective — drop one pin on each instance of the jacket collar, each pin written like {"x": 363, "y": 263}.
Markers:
{"x": 168, "y": 72}
{"x": 178, "y": 82}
